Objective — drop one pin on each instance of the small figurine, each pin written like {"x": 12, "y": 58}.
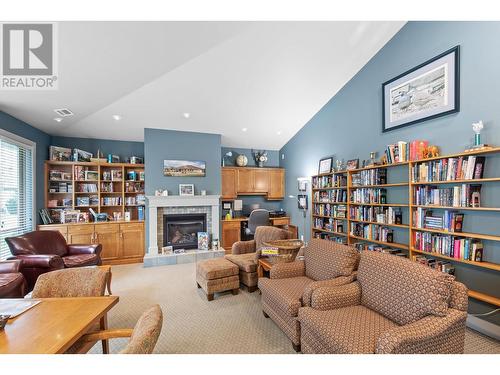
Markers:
{"x": 383, "y": 159}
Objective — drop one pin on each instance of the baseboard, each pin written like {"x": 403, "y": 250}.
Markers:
{"x": 483, "y": 326}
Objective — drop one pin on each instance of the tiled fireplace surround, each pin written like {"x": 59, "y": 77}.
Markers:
{"x": 159, "y": 206}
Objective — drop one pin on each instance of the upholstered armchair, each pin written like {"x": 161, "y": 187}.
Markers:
{"x": 12, "y": 282}
{"x": 292, "y": 285}
{"x": 396, "y": 306}
{"x": 45, "y": 251}
{"x": 245, "y": 253}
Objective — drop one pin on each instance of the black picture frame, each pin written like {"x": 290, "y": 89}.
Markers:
{"x": 352, "y": 164}
{"x": 321, "y": 161}
{"x": 299, "y": 199}
{"x": 455, "y": 51}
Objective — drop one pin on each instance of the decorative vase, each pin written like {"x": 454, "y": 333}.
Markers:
{"x": 241, "y": 161}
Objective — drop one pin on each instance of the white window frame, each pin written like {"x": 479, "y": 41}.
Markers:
{"x": 24, "y": 142}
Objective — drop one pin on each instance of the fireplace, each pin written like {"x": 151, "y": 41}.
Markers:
{"x": 181, "y": 230}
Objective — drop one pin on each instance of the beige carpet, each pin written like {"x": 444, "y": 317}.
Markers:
{"x": 229, "y": 324}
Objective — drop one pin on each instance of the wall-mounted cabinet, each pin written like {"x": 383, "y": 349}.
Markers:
{"x": 253, "y": 181}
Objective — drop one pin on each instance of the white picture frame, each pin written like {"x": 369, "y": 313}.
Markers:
{"x": 186, "y": 190}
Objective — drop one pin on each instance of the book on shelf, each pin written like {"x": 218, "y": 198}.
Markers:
{"x": 440, "y": 265}
{"x": 449, "y": 169}
{"x": 375, "y": 176}
{"x": 372, "y": 232}
{"x": 456, "y": 196}
{"x": 329, "y": 224}
{"x": 322, "y": 182}
{"x": 329, "y": 196}
{"x": 402, "y": 151}
{"x": 330, "y": 237}
{"x": 111, "y": 201}
{"x": 333, "y": 210}
{"x": 360, "y": 246}
{"x": 451, "y": 221}
{"x": 382, "y": 215}
{"x": 369, "y": 195}
{"x": 469, "y": 249}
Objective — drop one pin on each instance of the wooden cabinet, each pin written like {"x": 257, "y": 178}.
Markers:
{"x": 121, "y": 242}
{"x": 253, "y": 181}
{"x": 231, "y": 233}
{"x": 229, "y": 179}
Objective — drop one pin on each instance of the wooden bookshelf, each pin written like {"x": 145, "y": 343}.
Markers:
{"x": 411, "y": 206}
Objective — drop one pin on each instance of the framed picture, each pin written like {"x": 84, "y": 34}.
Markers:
{"x": 302, "y": 201}
{"x": 80, "y": 155}
{"x": 429, "y": 90}
{"x": 325, "y": 165}
{"x": 352, "y": 164}
{"x": 60, "y": 153}
{"x": 186, "y": 189}
{"x": 184, "y": 168}
{"x": 302, "y": 185}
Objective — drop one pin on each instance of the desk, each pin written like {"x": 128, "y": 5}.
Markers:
{"x": 231, "y": 229}
{"x": 53, "y": 325}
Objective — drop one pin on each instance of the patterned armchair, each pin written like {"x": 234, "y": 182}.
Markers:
{"x": 395, "y": 306}
{"x": 291, "y": 285}
{"x": 245, "y": 253}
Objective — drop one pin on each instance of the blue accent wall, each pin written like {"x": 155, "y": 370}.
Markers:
{"x": 42, "y": 140}
{"x": 349, "y": 125}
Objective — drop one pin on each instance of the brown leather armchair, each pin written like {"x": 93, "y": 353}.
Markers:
{"x": 45, "y": 251}
{"x": 12, "y": 282}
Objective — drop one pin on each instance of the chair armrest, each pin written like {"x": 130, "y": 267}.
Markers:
{"x": 10, "y": 266}
{"x": 429, "y": 335}
{"x": 308, "y": 291}
{"x": 335, "y": 297}
{"x": 243, "y": 247}
{"x": 106, "y": 334}
{"x": 40, "y": 261}
{"x": 287, "y": 270}
{"x": 84, "y": 249}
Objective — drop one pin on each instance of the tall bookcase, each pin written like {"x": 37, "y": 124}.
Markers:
{"x": 336, "y": 216}
{"x": 105, "y": 187}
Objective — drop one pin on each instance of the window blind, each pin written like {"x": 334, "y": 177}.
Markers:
{"x": 16, "y": 189}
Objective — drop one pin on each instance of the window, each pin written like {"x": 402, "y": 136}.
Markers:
{"x": 16, "y": 188}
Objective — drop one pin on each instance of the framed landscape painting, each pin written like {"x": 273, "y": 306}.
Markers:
{"x": 427, "y": 91}
{"x": 183, "y": 168}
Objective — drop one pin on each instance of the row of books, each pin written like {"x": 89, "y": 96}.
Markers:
{"x": 465, "y": 195}
{"x": 360, "y": 246}
{"x": 60, "y": 187}
{"x": 329, "y": 181}
{"x": 372, "y": 232}
{"x": 113, "y": 175}
{"x": 330, "y": 224}
{"x": 65, "y": 202}
{"x": 448, "y": 245}
{"x": 326, "y": 209}
{"x": 92, "y": 200}
{"x": 330, "y": 237}
{"x": 451, "y": 221}
{"x": 108, "y": 187}
{"x": 135, "y": 201}
{"x": 369, "y": 195}
{"x": 87, "y": 188}
{"x": 450, "y": 169}
{"x": 330, "y": 196}
{"x": 134, "y": 187}
{"x": 440, "y": 265}
{"x": 383, "y": 215}
{"x": 398, "y": 152}
{"x": 111, "y": 201}
{"x": 377, "y": 176}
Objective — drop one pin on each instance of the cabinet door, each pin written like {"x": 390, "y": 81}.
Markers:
{"x": 261, "y": 180}
{"x": 81, "y": 234}
{"x": 245, "y": 180}
{"x": 108, "y": 235}
{"x": 230, "y": 234}
{"x": 229, "y": 183}
{"x": 132, "y": 240}
{"x": 277, "y": 184}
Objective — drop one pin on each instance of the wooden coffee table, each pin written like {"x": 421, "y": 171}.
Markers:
{"x": 263, "y": 265}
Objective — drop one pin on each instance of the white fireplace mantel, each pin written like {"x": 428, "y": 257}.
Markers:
{"x": 155, "y": 202}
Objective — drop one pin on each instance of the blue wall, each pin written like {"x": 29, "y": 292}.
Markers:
{"x": 124, "y": 149}
{"x": 349, "y": 125}
{"x": 42, "y": 140}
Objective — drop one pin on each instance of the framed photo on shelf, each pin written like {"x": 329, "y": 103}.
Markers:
{"x": 352, "y": 164}
{"x": 186, "y": 189}
{"x": 60, "y": 153}
{"x": 429, "y": 90}
{"x": 302, "y": 201}
{"x": 325, "y": 165}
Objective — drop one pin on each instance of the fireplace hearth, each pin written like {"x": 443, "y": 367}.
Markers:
{"x": 181, "y": 230}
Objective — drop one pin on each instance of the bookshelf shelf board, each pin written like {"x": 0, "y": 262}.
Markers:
{"x": 331, "y": 188}
{"x": 460, "y": 234}
{"x": 458, "y": 208}
{"x": 330, "y": 202}
{"x": 89, "y": 206}
{"x": 134, "y": 205}
{"x": 484, "y": 297}
{"x": 86, "y": 192}
{"x": 134, "y": 180}
{"x": 111, "y": 180}
{"x": 330, "y": 217}
{"x": 331, "y": 232}
{"x": 378, "y": 186}
{"x": 60, "y": 207}
{"x": 379, "y": 166}
{"x": 388, "y": 244}
{"x": 479, "y": 152}
{"x": 56, "y": 180}
{"x": 59, "y": 192}
{"x": 111, "y": 192}
{"x": 491, "y": 266}
{"x": 380, "y": 204}
{"x": 134, "y": 192}
{"x": 86, "y": 181}
{"x": 382, "y": 224}
{"x": 472, "y": 181}
{"x": 111, "y": 205}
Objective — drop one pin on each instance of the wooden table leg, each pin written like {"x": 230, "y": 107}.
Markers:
{"x": 260, "y": 271}
{"x": 104, "y": 326}
{"x": 109, "y": 282}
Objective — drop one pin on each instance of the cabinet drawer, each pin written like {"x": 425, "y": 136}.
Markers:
{"x": 106, "y": 228}
{"x": 231, "y": 224}
{"x": 80, "y": 229}
{"x": 281, "y": 221}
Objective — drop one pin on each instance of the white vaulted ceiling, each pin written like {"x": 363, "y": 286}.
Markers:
{"x": 268, "y": 77}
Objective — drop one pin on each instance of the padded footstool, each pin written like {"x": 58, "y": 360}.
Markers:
{"x": 217, "y": 275}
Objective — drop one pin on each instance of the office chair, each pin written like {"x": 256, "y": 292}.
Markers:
{"x": 257, "y": 218}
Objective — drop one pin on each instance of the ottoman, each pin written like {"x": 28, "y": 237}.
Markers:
{"x": 217, "y": 275}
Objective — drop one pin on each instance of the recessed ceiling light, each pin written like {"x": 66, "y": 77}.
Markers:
{"x": 244, "y": 129}
{"x": 186, "y": 114}
{"x": 58, "y": 119}
{"x": 278, "y": 132}
{"x": 117, "y": 117}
